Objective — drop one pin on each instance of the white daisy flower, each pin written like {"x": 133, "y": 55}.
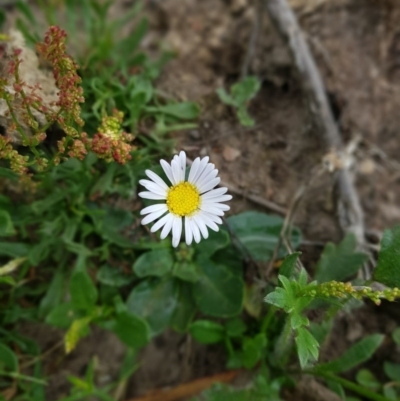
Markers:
{"x": 192, "y": 199}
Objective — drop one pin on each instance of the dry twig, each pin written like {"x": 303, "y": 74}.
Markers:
{"x": 187, "y": 390}
{"x": 251, "y": 48}
{"x": 349, "y": 208}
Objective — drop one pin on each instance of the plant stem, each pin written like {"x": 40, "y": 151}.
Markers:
{"x": 16, "y": 375}
{"x": 349, "y": 385}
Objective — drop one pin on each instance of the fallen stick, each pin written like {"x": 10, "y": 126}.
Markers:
{"x": 188, "y": 389}
{"x": 350, "y": 212}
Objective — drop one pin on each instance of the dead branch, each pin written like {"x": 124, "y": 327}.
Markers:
{"x": 251, "y": 48}
{"x": 349, "y": 208}
{"x": 255, "y": 198}
{"x": 190, "y": 389}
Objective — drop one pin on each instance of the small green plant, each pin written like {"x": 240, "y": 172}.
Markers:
{"x": 240, "y": 95}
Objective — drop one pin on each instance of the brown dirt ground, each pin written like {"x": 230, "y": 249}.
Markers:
{"x": 357, "y": 46}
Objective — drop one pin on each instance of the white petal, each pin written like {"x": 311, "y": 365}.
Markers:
{"x": 160, "y": 223}
{"x": 221, "y": 206}
{"x": 167, "y": 227}
{"x": 153, "y": 187}
{"x": 153, "y": 216}
{"x": 210, "y": 185}
{"x": 201, "y": 225}
{"x": 213, "y": 217}
{"x": 207, "y": 170}
{"x": 151, "y": 195}
{"x": 196, "y": 232}
{"x": 212, "y": 210}
{"x": 210, "y": 176}
{"x": 193, "y": 169}
{"x": 176, "y": 171}
{"x": 202, "y": 166}
{"x": 176, "y": 231}
{"x": 217, "y": 199}
{"x": 154, "y": 208}
{"x": 188, "y": 231}
{"x": 182, "y": 158}
{"x": 215, "y": 193}
{"x": 208, "y": 221}
{"x": 168, "y": 171}
{"x": 158, "y": 180}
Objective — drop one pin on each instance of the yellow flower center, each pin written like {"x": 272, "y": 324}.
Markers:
{"x": 183, "y": 199}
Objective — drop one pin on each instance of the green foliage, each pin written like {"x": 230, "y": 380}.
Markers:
{"x": 155, "y": 263}
{"x": 340, "y": 262}
{"x": 207, "y": 332}
{"x": 219, "y": 290}
{"x": 73, "y": 253}
{"x": 354, "y": 356}
{"x": 367, "y": 379}
{"x": 261, "y": 389}
{"x": 131, "y": 329}
{"x": 259, "y": 233}
{"x": 240, "y": 95}
{"x": 8, "y": 360}
{"x": 388, "y": 269}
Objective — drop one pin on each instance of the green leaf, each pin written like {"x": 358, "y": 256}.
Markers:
{"x": 278, "y": 298}
{"x": 6, "y": 224}
{"x": 43, "y": 205}
{"x": 13, "y": 249}
{"x": 40, "y": 251}
{"x": 11, "y": 266}
{"x": 155, "y": 263}
{"x": 392, "y": 370}
{"x": 9, "y": 174}
{"x": 389, "y": 392}
{"x": 367, "y": 379}
{"x": 184, "y": 311}
{"x": 54, "y": 294}
{"x": 135, "y": 37}
{"x": 354, "y": 356}
{"x": 388, "y": 270}
{"x": 83, "y": 292}
{"x": 78, "y": 329}
{"x": 235, "y": 327}
{"x": 340, "y": 262}
{"x": 183, "y": 110}
{"x": 113, "y": 276}
{"x": 222, "y": 392}
{"x": 288, "y": 265}
{"x": 245, "y": 90}
{"x": 186, "y": 271}
{"x": 396, "y": 335}
{"x": 155, "y": 301}
{"x": 244, "y": 117}
{"x": 253, "y": 297}
{"x": 307, "y": 346}
{"x": 8, "y": 359}
{"x": 253, "y": 349}
{"x": 219, "y": 291}
{"x": 207, "y": 332}
{"x": 215, "y": 242}
{"x": 8, "y": 280}
{"x": 297, "y": 320}
{"x": 225, "y": 97}
{"x": 131, "y": 329}
{"x": 61, "y": 316}
{"x": 259, "y": 233}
